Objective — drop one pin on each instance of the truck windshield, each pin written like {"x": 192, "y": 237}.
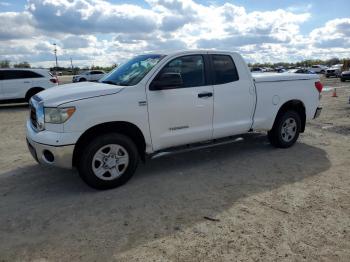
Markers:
{"x": 133, "y": 71}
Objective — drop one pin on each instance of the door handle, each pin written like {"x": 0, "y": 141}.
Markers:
{"x": 205, "y": 94}
{"x": 26, "y": 82}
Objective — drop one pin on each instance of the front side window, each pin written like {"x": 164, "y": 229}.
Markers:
{"x": 96, "y": 72}
{"x": 190, "y": 68}
{"x": 224, "y": 69}
{"x": 133, "y": 71}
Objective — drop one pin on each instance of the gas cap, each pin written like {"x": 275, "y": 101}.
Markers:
{"x": 275, "y": 99}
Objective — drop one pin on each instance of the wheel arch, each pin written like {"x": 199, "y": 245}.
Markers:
{"x": 32, "y": 91}
{"x": 122, "y": 127}
{"x": 294, "y": 105}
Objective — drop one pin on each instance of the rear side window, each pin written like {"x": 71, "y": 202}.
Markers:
{"x": 29, "y": 74}
{"x": 191, "y": 69}
{"x": 18, "y": 74}
{"x": 224, "y": 69}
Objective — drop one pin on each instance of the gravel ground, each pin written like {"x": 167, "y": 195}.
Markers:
{"x": 241, "y": 202}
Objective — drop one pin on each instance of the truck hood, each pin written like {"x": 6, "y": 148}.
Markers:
{"x": 276, "y": 77}
{"x": 71, "y": 92}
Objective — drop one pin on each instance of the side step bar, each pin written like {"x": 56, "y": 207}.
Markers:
{"x": 196, "y": 146}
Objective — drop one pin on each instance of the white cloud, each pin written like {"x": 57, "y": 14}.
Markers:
{"x": 16, "y": 25}
{"x": 99, "y": 32}
{"x": 90, "y": 16}
{"x": 335, "y": 33}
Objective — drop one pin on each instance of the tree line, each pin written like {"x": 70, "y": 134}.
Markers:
{"x": 64, "y": 70}
{"x": 6, "y": 64}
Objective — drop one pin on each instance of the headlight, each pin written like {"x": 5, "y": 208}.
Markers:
{"x": 55, "y": 115}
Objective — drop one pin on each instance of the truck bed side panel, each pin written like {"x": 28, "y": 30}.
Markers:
{"x": 271, "y": 95}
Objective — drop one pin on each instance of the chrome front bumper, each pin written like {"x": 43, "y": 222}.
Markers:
{"x": 62, "y": 155}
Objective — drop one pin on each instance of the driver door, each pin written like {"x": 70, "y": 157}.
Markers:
{"x": 183, "y": 114}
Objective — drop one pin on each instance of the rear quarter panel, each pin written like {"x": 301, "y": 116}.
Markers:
{"x": 271, "y": 96}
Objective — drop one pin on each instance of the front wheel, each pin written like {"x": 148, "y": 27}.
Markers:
{"x": 286, "y": 129}
{"x": 108, "y": 161}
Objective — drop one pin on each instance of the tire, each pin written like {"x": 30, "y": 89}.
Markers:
{"x": 97, "y": 165}
{"x": 322, "y": 72}
{"x": 327, "y": 76}
{"x": 31, "y": 93}
{"x": 82, "y": 80}
{"x": 281, "y": 137}
{"x": 342, "y": 79}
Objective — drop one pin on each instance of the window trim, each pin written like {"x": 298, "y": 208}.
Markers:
{"x": 206, "y": 72}
{"x": 3, "y": 78}
{"x": 212, "y": 71}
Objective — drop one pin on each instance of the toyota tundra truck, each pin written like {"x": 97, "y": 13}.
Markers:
{"x": 156, "y": 104}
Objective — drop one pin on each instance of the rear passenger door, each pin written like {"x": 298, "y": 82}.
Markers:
{"x": 14, "y": 85}
{"x": 234, "y": 98}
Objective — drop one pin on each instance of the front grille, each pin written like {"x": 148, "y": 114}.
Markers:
{"x": 33, "y": 105}
{"x": 33, "y": 119}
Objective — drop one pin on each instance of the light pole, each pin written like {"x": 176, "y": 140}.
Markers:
{"x": 55, "y": 51}
{"x": 71, "y": 63}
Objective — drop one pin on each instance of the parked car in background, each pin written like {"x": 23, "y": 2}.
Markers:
{"x": 318, "y": 69}
{"x": 334, "y": 71}
{"x": 157, "y": 104}
{"x": 300, "y": 71}
{"x": 280, "y": 70}
{"x": 344, "y": 76}
{"x": 256, "y": 70}
{"x": 93, "y": 75}
{"x": 18, "y": 85}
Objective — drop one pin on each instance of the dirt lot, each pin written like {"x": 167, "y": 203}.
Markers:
{"x": 268, "y": 204}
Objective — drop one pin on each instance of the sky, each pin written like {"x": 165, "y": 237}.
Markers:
{"x": 100, "y": 32}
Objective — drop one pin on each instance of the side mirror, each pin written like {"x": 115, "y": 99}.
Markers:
{"x": 166, "y": 81}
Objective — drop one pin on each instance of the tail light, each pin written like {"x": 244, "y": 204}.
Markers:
{"x": 54, "y": 80}
{"x": 318, "y": 86}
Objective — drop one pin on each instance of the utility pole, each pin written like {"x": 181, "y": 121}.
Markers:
{"x": 71, "y": 63}
{"x": 55, "y": 51}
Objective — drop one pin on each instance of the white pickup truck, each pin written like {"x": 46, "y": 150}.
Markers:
{"x": 162, "y": 103}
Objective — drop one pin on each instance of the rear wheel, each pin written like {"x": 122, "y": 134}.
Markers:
{"x": 108, "y": 161}
{"x": 342, "y": 79}
{"x": 82, "y": 80}
{"x": 286, "y": 129}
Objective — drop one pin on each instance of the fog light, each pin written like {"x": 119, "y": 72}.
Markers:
{"x": 49, "y": 157}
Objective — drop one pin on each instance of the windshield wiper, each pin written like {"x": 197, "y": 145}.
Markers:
{"x": 109, "y": 82}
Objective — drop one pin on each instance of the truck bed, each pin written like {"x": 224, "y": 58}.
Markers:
{"x": 275, "y": 89}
